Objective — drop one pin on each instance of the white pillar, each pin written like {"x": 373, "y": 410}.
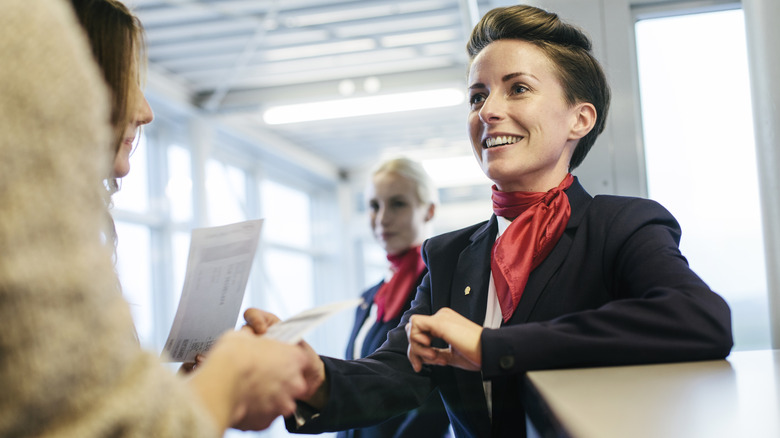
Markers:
{"x": 201, "y": 133}
{"x": 763, "y": 40}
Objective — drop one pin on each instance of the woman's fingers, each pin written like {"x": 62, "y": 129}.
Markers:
{"x": 259, "y": 320}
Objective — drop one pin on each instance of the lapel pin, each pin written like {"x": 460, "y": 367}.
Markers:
{"x": 467, "y": 290}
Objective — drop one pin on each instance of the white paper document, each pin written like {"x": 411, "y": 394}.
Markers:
{"x": 294, "y": 328}
{"x": 218, "y": 268}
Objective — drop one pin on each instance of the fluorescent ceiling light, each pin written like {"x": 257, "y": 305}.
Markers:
{"x": 363, "y": 106}
{"x": 455, "y": 171}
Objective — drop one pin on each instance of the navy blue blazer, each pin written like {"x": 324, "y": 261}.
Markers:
{"x": 615, "y": 290}
{"x": 430, "y": 419}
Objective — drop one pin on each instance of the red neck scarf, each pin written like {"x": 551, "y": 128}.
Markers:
{"x": 392, "y": 295}
{"x": 538, "y": 221}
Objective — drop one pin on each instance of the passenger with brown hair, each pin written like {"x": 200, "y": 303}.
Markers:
{"x": 70, "y": 365}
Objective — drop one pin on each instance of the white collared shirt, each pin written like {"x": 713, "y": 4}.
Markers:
{"x": 493, "y": 317}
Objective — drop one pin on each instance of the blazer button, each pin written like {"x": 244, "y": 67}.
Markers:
{"x": 506, "y": 362}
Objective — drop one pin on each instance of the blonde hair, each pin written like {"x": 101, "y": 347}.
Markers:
{"x": 426, "y": 190}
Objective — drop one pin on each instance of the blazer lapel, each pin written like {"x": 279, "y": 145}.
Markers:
{"x": 579, "y": 200}
{"x": 361, "y": 313}
{"x": 472, "y": 275}
{"x": 469, "y": 291}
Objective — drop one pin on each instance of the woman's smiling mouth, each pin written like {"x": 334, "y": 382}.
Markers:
{"x": 501, "y": 140}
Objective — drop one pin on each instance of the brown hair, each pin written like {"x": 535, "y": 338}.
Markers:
{"x": 116, "y": 38}
{"x": 565, "y": 45}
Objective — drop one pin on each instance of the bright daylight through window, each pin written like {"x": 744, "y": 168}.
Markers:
{"x": 700, "y": 153}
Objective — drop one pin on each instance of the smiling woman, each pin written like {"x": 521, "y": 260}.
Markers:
{"x": 555, "y": 278}
{"x": 520, "y": 117}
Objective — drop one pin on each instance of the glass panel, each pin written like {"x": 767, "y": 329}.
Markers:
{"x": 134, "y": 188}
{"x": 180, "y": 246}
{"x": 179, "y": 187}
{"x": 287, "y": 214}
{"x": 226, "y": 191}
{"x": 288, "y": 288}
{"x": 700, "y": 155}
{"x": 133, "y": 267}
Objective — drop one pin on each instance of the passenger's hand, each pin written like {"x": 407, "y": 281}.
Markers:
{"x": 462, "y": 335}
{"x": 279, "y": 379}
{"x": 250, "y": 380}
{"x": 316, "y": 386}
{"x": 188, "y": 367}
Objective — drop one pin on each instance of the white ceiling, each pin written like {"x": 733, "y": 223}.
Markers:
{"x": 234, "y": 58}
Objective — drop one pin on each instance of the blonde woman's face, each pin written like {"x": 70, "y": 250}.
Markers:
{"x": 140, "y": 113}
{"x": 396, "y": 215}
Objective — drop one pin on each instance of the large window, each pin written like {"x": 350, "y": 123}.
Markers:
{"x": 700, "y": 155}
{"x": 162, "y": 200}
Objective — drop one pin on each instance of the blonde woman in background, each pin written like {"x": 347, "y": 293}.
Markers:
{"x": 401, "y": 201}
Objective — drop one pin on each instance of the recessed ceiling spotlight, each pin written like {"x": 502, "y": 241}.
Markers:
{"x": 347, "y": 87}
{"x": 372, "y": 84}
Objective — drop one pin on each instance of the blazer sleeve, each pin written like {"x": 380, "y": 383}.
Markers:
{"x": 656, "y": 309}
{"x": 365, "y": 392}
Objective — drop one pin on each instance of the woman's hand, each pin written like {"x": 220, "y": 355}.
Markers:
{"x": 462, "y": 335}
{"x": 316, "y": 394}
{"x": 250, "y": 380}
{"x": 259, "y": 320}
{"x": 188, "y": 367}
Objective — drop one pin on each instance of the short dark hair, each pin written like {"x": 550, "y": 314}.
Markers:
{"x": 569, "y": 49}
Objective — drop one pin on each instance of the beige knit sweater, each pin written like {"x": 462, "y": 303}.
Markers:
{"x": 69, "y": 364}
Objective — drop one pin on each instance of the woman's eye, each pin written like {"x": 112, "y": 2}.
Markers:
{"x": 373, "y": 206}
{"x": 519, "y": 89}
{"x": 476, "y": 99}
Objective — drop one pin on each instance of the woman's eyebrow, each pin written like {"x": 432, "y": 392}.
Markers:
{"x": 511, "y": 76}
{"x": 506, "y": 78}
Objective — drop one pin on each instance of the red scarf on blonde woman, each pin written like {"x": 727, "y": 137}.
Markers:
{"x": 538, "y": 221}
{"x": 393, "y": 295}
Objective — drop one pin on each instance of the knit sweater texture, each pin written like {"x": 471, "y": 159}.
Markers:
{"x": 69, "y": 362}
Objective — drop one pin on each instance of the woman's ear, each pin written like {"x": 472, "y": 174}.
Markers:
{"x": 431, "y": 210}
{"x": 585, "y": 119}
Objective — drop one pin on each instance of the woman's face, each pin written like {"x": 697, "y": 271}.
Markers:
{"x": 140, "y": 114}
{"x": 397, "y": 216}
{"x": 522, "y": 130}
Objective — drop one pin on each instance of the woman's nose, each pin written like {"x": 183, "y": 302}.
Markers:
{"x": 145, "y": 114}
{"x": 383, "y": 217}
{"x": 142, "y": 113}
{"x": 492, "y": 110}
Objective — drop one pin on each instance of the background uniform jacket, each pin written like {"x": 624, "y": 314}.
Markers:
{"x": 615, "y": 290}
{"x": 429, "y": 420}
